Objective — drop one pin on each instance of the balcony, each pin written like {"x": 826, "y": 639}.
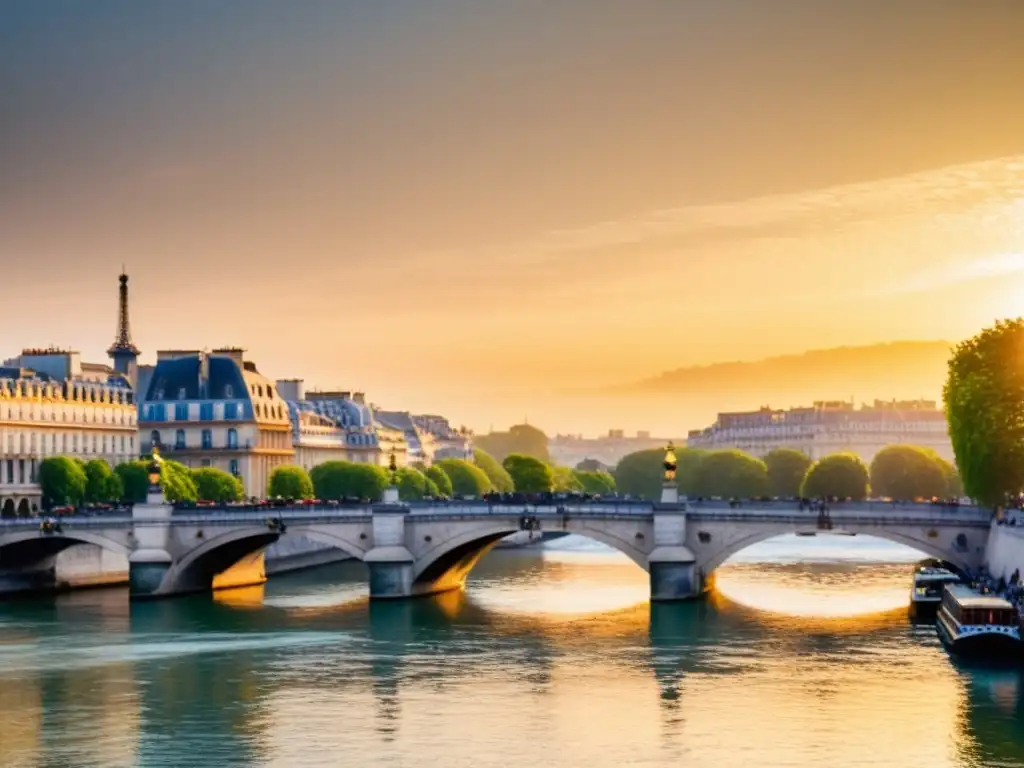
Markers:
{"x": 146, "y": 447}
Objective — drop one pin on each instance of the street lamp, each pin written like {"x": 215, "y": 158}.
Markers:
{"x": 670, "y": 463}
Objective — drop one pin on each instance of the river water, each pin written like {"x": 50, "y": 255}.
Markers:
{"x": 803, "y": 657}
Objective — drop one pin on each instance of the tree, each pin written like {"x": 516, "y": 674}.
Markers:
{"x": 290, "y": 482}
{"x": 134, "y": 477}
{"x": 596, "y": 482}
{"x": 786, "y": 470}
{"x": 466, "y": 479}
{"x": 907, "y": 472}
{"x": 501, "y": 481}
{"x": 522, "y": 439}
{"x": 62, "y": 481}
{"x": 564, "y": 480}
{"x": 440, "y": 479}
{"x": 343, "y": 479}
{"x": 984, "y": 398}
{"x": 840, "y": 475}
{"x": 98, "y": 485}
{"x": 642, "y": 473}
{"x": 530, "y": 475}
{"x": 177, "y": 482}
{"x": 216, "y": 485}
{"x": 731, "y": 473}
{"x": 413, "y": 485}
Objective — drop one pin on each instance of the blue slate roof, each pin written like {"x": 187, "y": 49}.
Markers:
{"x": 171, "y": 378}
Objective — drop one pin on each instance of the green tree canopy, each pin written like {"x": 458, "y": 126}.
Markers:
{"x": 177, "y": 482}
{"x": 414, "y": 485}
{"x": 842, "y": 475}
{"x": 786, "y": 470}
{"x": 134, "y": 477}
{"x": 466, "y": 479}
{"x": 596, "y": 482}
{"x": 984, "y": 398}
{"x": 731, "y": 473}
{"x": 290, "y": 482}
{"x": 565, "y": 480}
{"x": 522, "y": 439}
{"x": 440, "y": 479}
{"x": 530, "y": 475}
{"x": 641, "y": 473}
{"x": 501, "y": 481}
{"x": 62, "y": 481}
{"x": 216, "y": 485}
{"x": 343, "y": 479}
{"x": 102, "y": 485}
{"x": 907, "y": 472}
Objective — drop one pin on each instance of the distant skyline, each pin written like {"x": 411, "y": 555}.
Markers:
{"x": 477, "y": 209}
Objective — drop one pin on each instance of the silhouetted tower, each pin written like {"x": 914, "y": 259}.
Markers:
{"x": 122, "y": 351}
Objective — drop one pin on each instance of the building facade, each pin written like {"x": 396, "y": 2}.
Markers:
{"x": 570, "y": 450}
{"x": 338, "y": 426}
{"x": 52, "y": 404}
{"x": 216, "y": 410}
{"x": 830, "y": 427}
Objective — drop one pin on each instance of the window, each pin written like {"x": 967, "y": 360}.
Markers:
{"x": 161, "y": 413}
{"x": 181, "y": 412}
{"x": 205, "y": 463}
{"x": 233, "y": 467}
{"x": 154, "y": 438}
{"x": 229, "y": 391}
{"x": 182, "y": 393}
{"x": 179, "y": 438}
{"x": 207, "y": 439}
{"x": 21, "y": 471}
{"x": 232, "y": 438}
{"x": 32, "y": 471}
{"x": 206, "y": 411}
{"x": 230, "y": 411}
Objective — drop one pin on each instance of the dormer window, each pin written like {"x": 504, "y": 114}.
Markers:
{"x": 229, "y": 391}
{"x": 182, "y": 393}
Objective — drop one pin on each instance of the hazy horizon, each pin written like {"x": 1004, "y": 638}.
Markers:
{"x": 478, "y": 210}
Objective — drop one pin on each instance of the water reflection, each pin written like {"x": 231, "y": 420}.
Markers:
{"x": 306, "y": 671}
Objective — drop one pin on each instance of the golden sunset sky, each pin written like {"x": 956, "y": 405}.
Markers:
{"x": 475, "y": 208}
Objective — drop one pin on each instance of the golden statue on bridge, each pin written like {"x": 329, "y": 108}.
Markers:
{"x": 670, "y": 463}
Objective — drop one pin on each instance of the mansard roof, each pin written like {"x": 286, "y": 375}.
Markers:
{"x": 172, "y": 378}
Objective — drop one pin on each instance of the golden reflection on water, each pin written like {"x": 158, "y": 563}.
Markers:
{"x": 835, "y": 591}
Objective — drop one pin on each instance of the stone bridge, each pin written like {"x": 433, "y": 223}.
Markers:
{"x": 423, "y": 548}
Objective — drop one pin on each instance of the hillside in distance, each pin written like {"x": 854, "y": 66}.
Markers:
{"x": 900, "y": 370}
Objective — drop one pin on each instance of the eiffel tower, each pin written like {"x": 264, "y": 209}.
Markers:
{"x": 122, "y": 351}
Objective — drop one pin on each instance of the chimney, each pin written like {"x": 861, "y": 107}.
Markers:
{"x": 204, "y": 375}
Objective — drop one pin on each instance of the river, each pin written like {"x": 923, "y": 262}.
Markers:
{"x": 802, "y": 657}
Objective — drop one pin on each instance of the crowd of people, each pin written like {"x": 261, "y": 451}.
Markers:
{"x": 1010, "y": 589}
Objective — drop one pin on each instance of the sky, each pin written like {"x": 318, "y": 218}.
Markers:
{"x": 479, "y": 207}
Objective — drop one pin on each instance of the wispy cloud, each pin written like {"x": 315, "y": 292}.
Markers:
{"x": 952, "y": 273}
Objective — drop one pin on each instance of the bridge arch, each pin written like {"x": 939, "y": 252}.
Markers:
{"x": 194, "y": 571}
{"x": 446, "y": 564}
{"x": 8, "y": 509}
{"x": 949, "y": 546}
{"x": 30, "y": 549}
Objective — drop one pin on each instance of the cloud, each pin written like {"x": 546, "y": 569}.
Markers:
{"x": 956, "y": 272}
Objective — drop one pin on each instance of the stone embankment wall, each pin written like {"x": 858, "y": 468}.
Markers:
{"x": 1005, "y": 551}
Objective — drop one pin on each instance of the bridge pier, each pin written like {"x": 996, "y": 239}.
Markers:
{"x": 150, "y": 562}
{"x": 672, "y": 566}
{"x": 390, "y": 563}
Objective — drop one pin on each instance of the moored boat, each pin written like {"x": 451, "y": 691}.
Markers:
{"x": 926, "y": 590}
{"x": 971, "y": 624}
